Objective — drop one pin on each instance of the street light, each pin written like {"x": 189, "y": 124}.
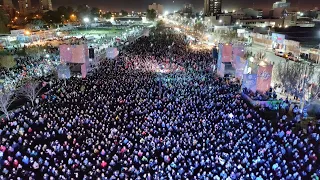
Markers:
{"x": 86, "y": 21}
{"x": 95, "y": 19}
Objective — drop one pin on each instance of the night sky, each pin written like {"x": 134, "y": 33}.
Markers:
{"x": 141, "y": 5}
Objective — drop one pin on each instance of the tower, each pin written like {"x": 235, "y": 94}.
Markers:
{"x": 24, "y": 6}
{"x": 212, "y": 7}
{"x": 45, "y": 5}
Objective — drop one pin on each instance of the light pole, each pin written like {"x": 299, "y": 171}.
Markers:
{"x": 86, "y": 21}
{"x": 220, "y": 21}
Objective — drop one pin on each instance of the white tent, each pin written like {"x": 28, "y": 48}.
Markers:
{"x": 112, "y": 52}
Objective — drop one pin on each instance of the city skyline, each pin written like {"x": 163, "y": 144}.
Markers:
{"x": 172, "y": 5}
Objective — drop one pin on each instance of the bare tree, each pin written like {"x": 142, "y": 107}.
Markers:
{"x": 260, "y": 56}
{"x": 315, "y": 83}
{"x": 30, "y": 90}
{"x": 7, "y": 61}
{"x": 6, "y": 99}
{"x": 289, "y": 75}
{"x": 199, "y": 27}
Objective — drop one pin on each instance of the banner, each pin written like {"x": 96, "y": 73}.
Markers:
{"x": 227, "y": 53}
{"x": 240, "y": 66}
{"x": 220, "y": 56}
{"x": 250, "y": 82}
{"x": 264, "y": 78}
{"x": 63, "y": 71}
{"x": 74, "y": 53}
{"x": 112, "y": 53}
{"x": 237, "y": 51}
{"x": 278, "y": 41}
{"x": 83, "y": 70}
{"x": 221, "y": 70}
{"x": 250, "y": 68}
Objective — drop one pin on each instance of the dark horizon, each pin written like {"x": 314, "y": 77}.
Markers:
{"x": 169, "y": 5}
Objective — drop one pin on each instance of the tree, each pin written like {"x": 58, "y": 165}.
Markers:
{"x": 199, "y": 27}
{"x": 62, "y": 10}
{"x": 4, "y": 21}
{"x": 124, "y": 13}
{"x": 95, "y": 11}
{"x": 160, "y": 25}
{"x": 6, "y": 99}
{"x": 229, "y": 37}
{"x": 83, "y": 10}
{"x": 247, "y": 55}
{"x": 151, "y": 14}
{"x": 35, "y": 24}
{"x": 70, "y": 11}
{"x": 314, "y": 76}
{"x": 52, "y": 17}
{"x": 288, "y": 74}
{"x": 30, "y": 90}
{"x": 108, "y": 15}
{"x": 65, "y": 12}
{"x": 34, "y": 50}
{"x": 260, "y": 56}
{"x": 7, "y": 61}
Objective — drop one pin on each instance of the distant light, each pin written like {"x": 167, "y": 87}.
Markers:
{"x": 86, "y": 20}
{"x": 285, "y": 26}
{"x": 166, "y": 13}
{"x": 220, "y": 21}
{"x": 234, "y": 10}
{"x": 95, "y": 19}
{"x": 47, "y": 55}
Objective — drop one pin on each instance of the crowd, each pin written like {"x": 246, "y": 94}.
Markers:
{"x": 28, "y": 65}
{"x": 125, "y": 122}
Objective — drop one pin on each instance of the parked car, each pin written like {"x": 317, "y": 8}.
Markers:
{"x": 279, "y": 52}
{"x": 292, "y": 57}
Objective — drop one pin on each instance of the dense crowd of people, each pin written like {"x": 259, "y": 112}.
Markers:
{"x": 124, "y": 121}
{"x": 28, "y": 65}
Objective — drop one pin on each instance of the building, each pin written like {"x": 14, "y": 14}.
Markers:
{"x": 157, "y": 7}
{"x": 212, "y": 7}
{"x": 289, "y": 19}
{"x": 45, "y": 5}
{"x": 253, "y": 13}
{"x": 188, "y": 8}
{"x": 219, "y": 20}
{"x": 8, "y": 4}
{"x": 238, "y": 14}
{"x": 260, "y": 22}
{"x": 281, "y": 4}
{"x": 24, "y": 6}
{"x": 8, "y": 8}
